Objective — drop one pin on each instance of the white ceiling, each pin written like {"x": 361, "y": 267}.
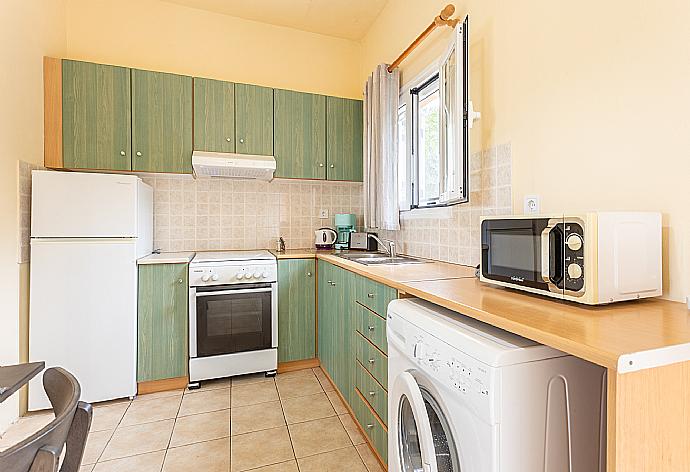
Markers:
{"x": 349, "y": 19}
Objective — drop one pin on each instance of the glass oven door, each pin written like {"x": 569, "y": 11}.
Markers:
{"x": 524, "y": 251}
{"x": 233, "y": 318}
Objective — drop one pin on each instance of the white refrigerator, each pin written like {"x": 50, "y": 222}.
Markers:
{"x": 87, "y": 232}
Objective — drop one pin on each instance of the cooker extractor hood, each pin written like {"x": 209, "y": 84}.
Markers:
{"x": 231, "y": 165}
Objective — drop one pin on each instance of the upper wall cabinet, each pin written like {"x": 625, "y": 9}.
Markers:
{"x": 161, "y": 122}
{"x": 253, "y": 120}
{"x": 96, "y": 116}
{"x": 300, "y": 135}
{"x": 344, "y": 138}
{"x": 214, "y": 115}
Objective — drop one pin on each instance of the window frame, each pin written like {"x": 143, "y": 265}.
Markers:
{"x": 409, "y": 98}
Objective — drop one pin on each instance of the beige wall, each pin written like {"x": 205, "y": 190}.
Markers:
{"x": 593, "y": 96}
{"x": 162, "y": 36}
{"x": 29, "y": 29}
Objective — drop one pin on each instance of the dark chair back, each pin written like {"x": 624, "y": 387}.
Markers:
{"x": 41, "y": 451}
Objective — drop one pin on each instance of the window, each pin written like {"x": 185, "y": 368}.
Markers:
{"x": 433, "y": 131}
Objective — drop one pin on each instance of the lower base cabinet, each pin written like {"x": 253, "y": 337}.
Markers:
{"x": 296, "y": 309}
{"x": 162, "y": 322}
{"x": 352, "y": 345}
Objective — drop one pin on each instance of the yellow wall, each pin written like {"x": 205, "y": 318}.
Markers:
{"x": 29, "y": 29}
{"x": 162, "y": 36}
{"x": 593, "y": 96}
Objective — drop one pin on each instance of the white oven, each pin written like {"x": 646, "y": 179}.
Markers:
{"x": 233, "y": 315}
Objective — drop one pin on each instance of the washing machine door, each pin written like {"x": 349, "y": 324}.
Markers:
{"x": 424, "y": 442}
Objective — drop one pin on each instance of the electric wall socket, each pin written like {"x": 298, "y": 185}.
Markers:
{"x": 531, "y": 204}
{"x": 323, "y": 213}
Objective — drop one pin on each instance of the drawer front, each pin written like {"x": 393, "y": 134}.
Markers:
{"x": 373, "y": 360}
{"x": 375, "y": 395}
{"x": 372, "y": 327}
{"x": 376, "y": 296}
{"x": 377, "y": 434}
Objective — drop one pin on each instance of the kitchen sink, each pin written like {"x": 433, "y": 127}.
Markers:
{"x": 378, "y": 258}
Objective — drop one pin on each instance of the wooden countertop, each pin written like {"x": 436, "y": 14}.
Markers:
{"x": 602, "y": 335}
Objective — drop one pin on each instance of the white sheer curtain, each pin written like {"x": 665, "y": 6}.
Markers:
{"x": 381, "y": 150}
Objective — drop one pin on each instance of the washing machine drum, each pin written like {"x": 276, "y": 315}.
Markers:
{"x": 425, "y": 441}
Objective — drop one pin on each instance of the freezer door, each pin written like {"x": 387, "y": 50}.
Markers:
{"x": 83, "y": 205}
{"x": 83, "y": 315}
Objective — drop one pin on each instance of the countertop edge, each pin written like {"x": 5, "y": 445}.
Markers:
{"x": 166, "y": 258}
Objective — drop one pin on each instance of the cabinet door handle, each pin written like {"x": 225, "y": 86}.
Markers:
{"x": 123, "y": 153}
{"x": 371, "y": 394}
{"x": 332, "y": 166}
{"x": 228, "y": 139}
{"x": 241, "y": 140}
{"x": 179, "y": 281}
{"x": 321, "y": 165}
{"x": 308, "y": 274}
{"x": 369, "y": 426}
{"x": 371, "y": 361}
{"x": 370, "y": 295}
{"x": 138, "y": 153}
{"x": 330, "y": 282}
{"x": 370, "y": 328}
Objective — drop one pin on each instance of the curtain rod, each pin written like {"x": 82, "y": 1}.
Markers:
{"x": 443, "y": 19}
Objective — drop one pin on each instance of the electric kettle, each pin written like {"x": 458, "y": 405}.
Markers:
{"x": 324, "y": 238}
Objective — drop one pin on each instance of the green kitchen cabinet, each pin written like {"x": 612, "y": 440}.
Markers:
{"x": 344, "y": 138}
{"x": 296, "y": 309}
{"x": 214, "y": 115}
{"x": 161, "y": 122}
{"x": 96, "y": 116}
{"x": 300, "y": 135}
{"x": 253, "y": 120}
{"x": 327, "y": 325}
{"x": 162, "y": 322}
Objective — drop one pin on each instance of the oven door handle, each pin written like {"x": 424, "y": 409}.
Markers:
{"x": 233, "y": 292}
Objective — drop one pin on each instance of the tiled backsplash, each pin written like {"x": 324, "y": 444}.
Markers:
{"x": 243, "y": 214}
{"x": 454, "y": 236}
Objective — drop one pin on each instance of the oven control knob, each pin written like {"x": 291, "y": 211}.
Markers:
{"x": 257, "y": 275}
{"x": 574, "y": 271}
{"x": 264, "y": 275}
{"x": 205, "y": 278}
{"x": 574, "y": 242}
{"x": 248, "y": 276}
{"x": 239, "y": 276}
{"x": 215, "y": 277}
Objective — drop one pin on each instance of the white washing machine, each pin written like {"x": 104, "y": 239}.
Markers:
{"x": 465, "y": 396}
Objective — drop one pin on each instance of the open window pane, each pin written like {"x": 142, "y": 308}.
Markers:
{"x": 428, "y": 149}
{"x": 403, "y": 177}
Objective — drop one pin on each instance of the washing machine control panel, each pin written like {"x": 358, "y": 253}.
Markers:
{"x": 456, "y": 371}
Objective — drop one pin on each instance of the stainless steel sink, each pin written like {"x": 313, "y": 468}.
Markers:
{"x": 378, "y": 258}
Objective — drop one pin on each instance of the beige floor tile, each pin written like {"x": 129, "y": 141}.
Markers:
{"x": 246, "y": 419}
{"x": 295, "y": 373}
{"x": 95, "y": 444}
{"x": 325, "y": 383}
{"x": 353, "y": 431}
{"x": 252, "y": 450}
{"x": 202, "y": 427}
{"x": 150, "y": 462}
{"x": 341, "y": 460}
{"x": 252, "y": 394}
{"x": 157, "y": 395}
{"x": 337, "y": 403}
{"x": 87, "y": 468}
{"x": 211, "y": 385}
{"x": 298, "y": 385}
{"x": 311, "y": 407}
{"x": 205, "y": 401}
{"x": 251, "y": 378}
{"x": 24, "y": 427}
{"x": 370, "y": 461}
{"x": 290, "y": 466}
{"x": 108, "y": 417}
{"x": 209, "y": 456}
{"x": 152, "y": 410}
{"x": 139, "y": 439}
{"x": 314, "y": 437}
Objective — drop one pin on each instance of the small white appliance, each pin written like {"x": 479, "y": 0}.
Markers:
{"x": 591, "y": 258}
{"x": 231, "y": 165}
{"x": 324, "y": 238}
{"x": 87, "y": 231}
{"x": 233, "y": 314}
{"x": 466, "y": 396}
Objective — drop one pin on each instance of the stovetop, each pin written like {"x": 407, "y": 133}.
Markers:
{"x": 226, "y": 256}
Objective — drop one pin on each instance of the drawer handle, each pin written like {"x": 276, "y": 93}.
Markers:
{"x": 308, "y": 274}
{"x": 370, "y": 295}
{"x": 371, "y": 394}
{"x": 371, "y": 328}
{"x": 228, "y": 139}
{"x": 371, "y": 361}
{"x": 179, "y": 281}
{"x": 370, "y": 425}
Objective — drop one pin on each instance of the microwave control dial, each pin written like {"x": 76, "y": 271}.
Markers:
{"x": 574, "y": 242}
{"x": 574, "y": 271}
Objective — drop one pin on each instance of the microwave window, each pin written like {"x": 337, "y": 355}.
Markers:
{"x": 515, "y": 254}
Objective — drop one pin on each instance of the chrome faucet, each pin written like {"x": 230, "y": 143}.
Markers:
{"x": 388, "y": 246}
